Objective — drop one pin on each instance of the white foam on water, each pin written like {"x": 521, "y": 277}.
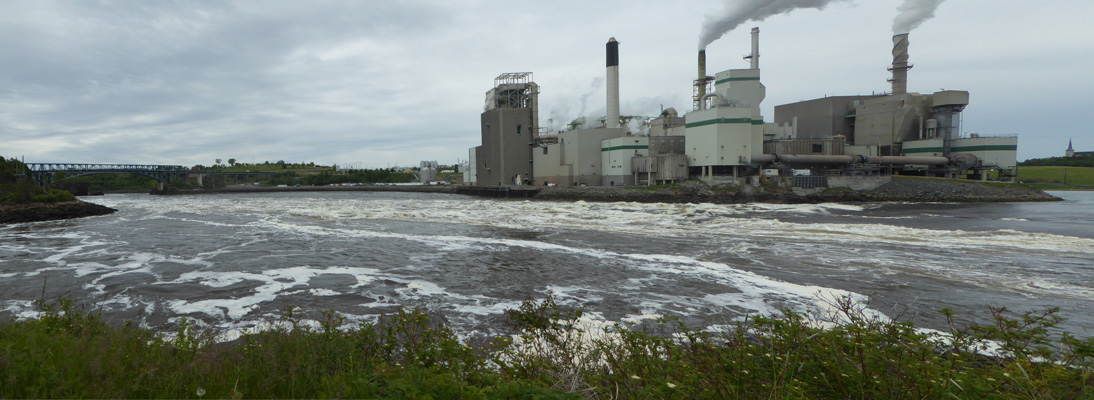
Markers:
{"x": 734, "y": 225}
{"x": 638, "y": 318}
{"x": 20, "y": 309}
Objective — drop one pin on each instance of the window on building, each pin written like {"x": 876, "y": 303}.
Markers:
{"x": 818, "y": 148}
{"x": 518, "y": 130}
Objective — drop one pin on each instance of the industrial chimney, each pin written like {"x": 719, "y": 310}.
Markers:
{"x": 900, "y": 64}
{"x": 612, "y": 118}
{"x": 700, "y": 84}
{"x": 754, "y": 58}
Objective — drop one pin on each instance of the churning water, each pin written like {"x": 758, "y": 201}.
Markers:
{"x": 235, "y": 262}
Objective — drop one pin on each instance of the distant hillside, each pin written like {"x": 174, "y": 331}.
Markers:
{"x": 1077, "y": 161}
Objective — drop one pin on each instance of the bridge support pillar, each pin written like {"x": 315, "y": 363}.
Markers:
{"x": 161, "y": 185}
{"x": 200, "y": 183}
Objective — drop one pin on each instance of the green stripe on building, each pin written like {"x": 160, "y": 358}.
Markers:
{"x": 739, "y": 78}
{"x": 626, "y": 147}
{"x": 921, "y": 150}
{"x": 988, "y": 147}
{"x": 964, "y": 149}
{"x": 724, "y": 121}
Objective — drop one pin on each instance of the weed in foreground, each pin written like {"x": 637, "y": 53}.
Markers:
{"x": 68, "y": 352}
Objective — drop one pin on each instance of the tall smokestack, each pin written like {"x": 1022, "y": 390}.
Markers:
{"x": 612, "y": 119}
{"x": 900, "y": 64}
{"x": 755, "y": 57}
{"x": 701, "y": 81}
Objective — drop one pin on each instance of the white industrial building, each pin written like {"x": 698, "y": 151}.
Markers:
{"x": 725, "y": 139}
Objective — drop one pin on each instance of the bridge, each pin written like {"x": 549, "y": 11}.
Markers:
{"x": 43, "y": 173}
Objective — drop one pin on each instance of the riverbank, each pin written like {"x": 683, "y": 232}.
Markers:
{"x": 362, "y": 188}
{"x": 411, "y": 355}
{"x": 34, "y": 212}
{"x": 904, "y": 189}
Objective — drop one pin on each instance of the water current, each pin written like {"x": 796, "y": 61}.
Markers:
{"x": 232, "y": 262}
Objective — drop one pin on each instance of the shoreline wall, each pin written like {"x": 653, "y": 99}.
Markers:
{"x": 898, "y": 189}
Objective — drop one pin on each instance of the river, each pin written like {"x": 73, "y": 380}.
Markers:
{"x": 235, "y": 262}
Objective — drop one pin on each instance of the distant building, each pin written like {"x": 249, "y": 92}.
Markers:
{"x": 510, "y": 125}
{"x": 1070, "y": 152}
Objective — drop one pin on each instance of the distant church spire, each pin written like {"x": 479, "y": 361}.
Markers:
{"x": 1070, "y": 151}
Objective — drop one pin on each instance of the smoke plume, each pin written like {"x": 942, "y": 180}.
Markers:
{"x": 735, "y": 13}
{"x": 912, "y": 13}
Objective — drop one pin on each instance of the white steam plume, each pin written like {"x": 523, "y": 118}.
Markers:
{"x": 912, "y": 13}
{"x": 735, "y": 13}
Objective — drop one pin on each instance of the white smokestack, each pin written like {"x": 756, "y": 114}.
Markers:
{"x": 612, "y": 118}
{"x": 912, "y": 13}
{"x": 755, "y": 57}
{"x": 737, "y": 12}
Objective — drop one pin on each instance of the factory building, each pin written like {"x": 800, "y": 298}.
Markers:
{"x": 725, "y": 140}
{"x": 509, "y": 125}
{"x": 821, "y": 118}
{"x": 615, "y": 160}
{"x": 726, "y": 131}
{"x": 573, "y": 158}
{"x": 920, "y": 127}
{"x": 427, "y": 172}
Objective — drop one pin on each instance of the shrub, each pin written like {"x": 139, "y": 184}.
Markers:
{"x": 68, "y": 352}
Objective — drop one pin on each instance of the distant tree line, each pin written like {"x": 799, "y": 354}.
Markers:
{"x": 263, "y": 166}
{"x": 332, "y": 178}
{"x": 1077, "y": 161}
{"x": 117, "y": 182}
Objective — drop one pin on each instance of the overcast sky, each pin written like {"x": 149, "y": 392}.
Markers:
{"x": 396, "y": 82}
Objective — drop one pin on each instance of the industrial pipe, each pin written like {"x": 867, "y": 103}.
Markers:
{"x": 763, "y": 159}
{"x": 848, "y": 159}
{"x": 703, "y": 100}
{"x": 814, "y": 159}
{"x": 924, "y": 160}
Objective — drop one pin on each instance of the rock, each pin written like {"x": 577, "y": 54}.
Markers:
{"x": 18, "y": 213}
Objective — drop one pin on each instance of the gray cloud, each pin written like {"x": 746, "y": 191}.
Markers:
{"x": 386, "y": 82}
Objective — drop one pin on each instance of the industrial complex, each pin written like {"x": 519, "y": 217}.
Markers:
{"x": 826, "y": 142}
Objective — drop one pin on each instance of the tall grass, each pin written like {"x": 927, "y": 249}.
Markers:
{"x": 68, "y": 352}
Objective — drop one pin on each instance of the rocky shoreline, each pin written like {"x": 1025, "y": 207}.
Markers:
{"x": 19, "y": 213}
{"x": 897, "y": 190}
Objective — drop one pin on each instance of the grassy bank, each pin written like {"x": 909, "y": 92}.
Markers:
{"x": 1058, "y": 178}
{"x": 66, "y": 352}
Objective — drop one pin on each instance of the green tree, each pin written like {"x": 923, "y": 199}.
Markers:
{"x": 232, "y": 162}
{"x": 12, "y": 169}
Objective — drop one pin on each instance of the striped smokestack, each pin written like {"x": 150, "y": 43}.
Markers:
{"x": 612, "y": 118}
{"x": 900, "y": 64}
